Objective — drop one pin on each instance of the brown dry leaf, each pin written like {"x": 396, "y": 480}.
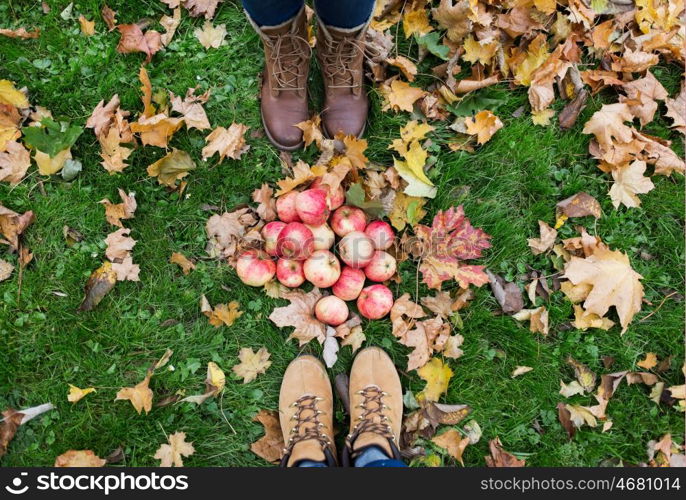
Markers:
{"x": 354, "y": 151}
{"x": 407, "y": 67}
{"x": 124, "y": 210}
{"x": 139, "y": 395}
{"x": 171, "y": 455}
{"x": 302, "y": 173}
{"x": 483, "y": 125}
{"x": 453, "y": 16}
{"x": 12, "y": 225}
{"x": 300, "y": 314}
{"x": 6, "y": 269}
{"x": 312, "y": 131}
{"x": 583, "y": 320}
{"x": 227, "y": 232}
{"x": 191, "y": 108}
{"x": 579, "y": 205}
{"x": 441, "y": 304}
{"x": 676, "y": 110}
{"x": 520, "y": 370}
{"x": 267, "y": 202}
{"x": 79, "y": 458}
{"x": 170, "y": 23}
{"x": 607, "y": 124}
{"x": 211, "y": 37}
{"x": 399, "y": 96}
{"x": 571, "y": 389}
{"x": 126, "y": 270}
{"x": 172, "y": 167}
{"x": 156, "y": 130}
{"x": 182, "y": 261}
{"x": 221, "y": 314}
{"x": 109, "y": 16}
{"x": 119, "y": 244}
{"x": 21, "y": 33}
{"x": 613, "y": 280}
{"x": 252, "y": 363}
{"x": 100, "y": 282}
{"x": 630, "y": 181}
{"x": 8, "y": 427}
{"x": 538, "y": 319}
{"x": 501, "y": 458}
{"x": 354, "y": 339}
{"x": 14, "y": 162}
{"x": 453, "y": 442}
{"x": 197, "y": 8}
{"x": 545, "y": 242}
{"x": 227, "y": 142}
{"x": 134, "y": 40}
{"x": 649, "y": 362}
{"x": 271, "y": 445}
{"x": 87, "y": 27}
{"x": 102, "y": 116}
{"x": 641, "y": 95}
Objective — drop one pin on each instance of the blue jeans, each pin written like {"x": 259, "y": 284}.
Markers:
{"x": 371, "y": 457}
{"x": 337, "y": 13}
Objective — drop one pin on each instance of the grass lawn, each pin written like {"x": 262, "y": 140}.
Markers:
{"x": 506, "y": 186}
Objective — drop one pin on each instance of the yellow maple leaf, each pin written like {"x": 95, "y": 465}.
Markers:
{"x": 475, "y": 51}
{"x": 79, "y": 458}
{"x": 156, "y": 130}
{"x": 227, "y": 142}
{"x": 139, "y": 395}
{"x": 252, "y": 363}
{"x": 172, "y": 167}
{"x": 416, "y": 22}
{"x": 542, "y": 118}
{"x": 400, "y": 96}
{"x": 87, "y": 27}
{"x": 453, "y": 442}
{"x": 649, "y": 362}
{"x": 406, "y": 210}
{"x": 525, "y": 65}
{"x": 171, "y": 454}
{"x": 302, "y": 173}
{"x": 437, "y": 375}
{"x": 10, "y": 95}
{"x": 76, "y": 394}
{"x": 483, "y": 125}
{"x": 221, "y": 314}
{"x": 51, "y": 165}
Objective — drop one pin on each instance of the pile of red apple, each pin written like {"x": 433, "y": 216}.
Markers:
{"x": 302, "y": 243}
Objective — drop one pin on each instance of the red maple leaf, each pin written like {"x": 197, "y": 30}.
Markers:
{"x": 450, "y": 240}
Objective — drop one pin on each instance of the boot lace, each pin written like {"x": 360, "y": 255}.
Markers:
{"x": 289, "y": 54}
{"x": 373, "y": 417}
{"x": 307, "y": 424}
{"x": 338, "y": 60}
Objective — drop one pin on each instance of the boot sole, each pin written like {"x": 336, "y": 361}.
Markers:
{"x": 280, "y": 147}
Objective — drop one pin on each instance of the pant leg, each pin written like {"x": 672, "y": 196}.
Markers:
{"x": 376, "y": 457}
{"x": 272, "y": 12}
{"x": 344, "y": 14}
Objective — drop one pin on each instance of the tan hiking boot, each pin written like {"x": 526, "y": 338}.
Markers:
{"x": 340, "y": 53}
{"x": 306, "y": 413}
{"x": 284, "y": 81}
{"x": 376, "y": 405}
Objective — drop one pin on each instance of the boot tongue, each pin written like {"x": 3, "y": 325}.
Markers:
{"x": 306, "y": 450}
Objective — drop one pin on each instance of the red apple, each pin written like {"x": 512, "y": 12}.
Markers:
{"x": 323, "y": 236}
{"x": 331, "y": 310}
{"x": 381, "y": 267}
{"x": 375, "y": 302}
{"x": 347, "y": 219}
{"x": 350, "y": 283}
{"x": 322, "y": 269}
{"x": 381, "y": 234}
{"x": 255, "y": 268}
{"x": 312, "y": 206}
{"x": 285, "y": 207}
{"x": 295, "y": 241}
{"x": 289, "y": 272}
{"x": 356, "y": 249}
{"x": 270, "y": 233}
{"x": 336, "y": 196}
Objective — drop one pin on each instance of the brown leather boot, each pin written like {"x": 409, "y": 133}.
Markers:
{"x": 284, "y": 81}
{"x": 376, "y": 405}
{"x": 306, "y": 413}
{"x": 340, "y": 53}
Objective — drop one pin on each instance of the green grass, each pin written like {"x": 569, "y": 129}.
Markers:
{"x": 506, "y": 187}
